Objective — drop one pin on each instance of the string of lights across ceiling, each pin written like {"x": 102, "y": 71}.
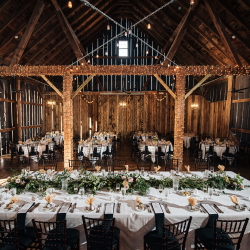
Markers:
{"x": 126, "y": 31}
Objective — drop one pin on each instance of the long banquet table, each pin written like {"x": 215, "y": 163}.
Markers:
{"x": 134, "y": 224}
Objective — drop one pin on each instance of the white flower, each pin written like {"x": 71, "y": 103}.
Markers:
{"x": 18, "y": 180}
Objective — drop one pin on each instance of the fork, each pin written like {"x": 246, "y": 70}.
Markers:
{"x": 248, "y": 208}
{"x": 149, "y": 209}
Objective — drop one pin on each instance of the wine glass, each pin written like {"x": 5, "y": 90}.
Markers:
{"x": 210, "y": 192}
{"x": 13, "y": 192}
{"x": 205, "y": 187}
{"x": 82, "y": 192}
{"x": 117, "y": 187}
{"x": 160, "y": 189}
{"x": 53, "y": 169}
{"x": 6, "y": 190}
{"x": 211, "y": 170}
{"x": 76, "y": 188}
{"x": 166, "y": 192}
{"x": 123, "y": 192}
{"x": 142, "y": 170}
{"x": 28, "y": 169}
{"x": 109, "y": 169}
{"x": 137, "y": 172}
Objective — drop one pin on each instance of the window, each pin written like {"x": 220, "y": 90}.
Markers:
{"x": 123, "y": 48}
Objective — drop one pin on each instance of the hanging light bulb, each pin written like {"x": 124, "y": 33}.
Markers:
{"x": 156, "y": 57}
{"x": 149, "y": 25}
{"x": 129, "y": 31}
{"x": 191, "y": 2}
{"x": 117, "y": 44}
{"x": 106, "y": 53}
{"x": 70, "y": 4}
{"x": 136, "y": 45}
{"x": 108, "y": 26}
{"x": 147, "y": 52}
{"x": 97, "y": 56}
{"x": 89, "y": 61}
{"x": 125, "y": 33}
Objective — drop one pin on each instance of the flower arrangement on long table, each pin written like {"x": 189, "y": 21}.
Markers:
{"x": 134, "y": 182}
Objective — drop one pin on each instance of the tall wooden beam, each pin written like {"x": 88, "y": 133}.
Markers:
{"x": 165, "y": 86}
{"x": 230, "y": 81}
{"x": 197, "y": 86}
{"x": 182, "y": 31}
{"x": 222, "y": 31}
{"x": 74, "y": 42}
{"x": 26, "y": 36}
{"x": 179, "y": 118}
{"x": 82, "y": 85}
{"x": 241, "y": 100}
{"x": 67, "y": 119}
{"x": 51, "y": 85}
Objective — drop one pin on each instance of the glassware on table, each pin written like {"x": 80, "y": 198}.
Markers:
{"x": 13, "y": 191}
{"x": 6, "y": 190}
{"x": 53, "y": 169}
{"x": 82, "y": 192}
{"x": 142, "y": 170}
{"x": 211, "y": 170}
{"x": 172, "y": 172}
{"x": 117, "y": 187}
{"x": 76, "y": 188}
{"x": 205, "y": 187}
{"x": 167, "y": 192}
{"x": 176, "y": 184}
{"x": 109, "y": 169}
{"x": 210, "y": 192}
{"x": 103, "y": 172}
{"x": 28, "y": 169}
{"x": 137, "y": 172}
{"x": 123, "y": 192}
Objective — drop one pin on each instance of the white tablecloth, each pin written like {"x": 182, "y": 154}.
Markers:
{"x": 187, "y": 141}
{"x": 133, "y": 224}
{"x": 40, "y": 147}
{"x": 88, "y": 148}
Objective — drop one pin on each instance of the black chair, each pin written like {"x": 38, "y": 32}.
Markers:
{"x": 119, "y": 165}
{"x": 49, "y": 163}
{"x": 229, "y": 155}
{"x": 146, "y": 154}
{"x": 209, "y": 153}
{"x": 160, "y": 155}
{"x": 171, "y": 164}
{"x": 96, "y": 155}
{"x": 80, "y": 154}
{"x": 12, "y": 238}
{"x": 173, "y": 237}
{"x": 76, "y": 164}
{"x": 135, "y": 152}
{"x": 55, "y": 235}
{"x": 89, "y": 165}
{"x": 145, "y": 164}
{"x": 13, "y": 153}
{"x": 224, "y": 235}
{"x": 101, "y": 234}
{"x": 108, "y": 152}
{"x": 201, "y": 164}
{"x": 33, "y": 153}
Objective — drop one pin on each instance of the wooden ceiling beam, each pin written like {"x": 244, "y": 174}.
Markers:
{"x": 19, "y": 11}
{"x": 182, "y": 31}
{"x": 165, "y": 86}
{"x": 27, "y": 34}
{"x": 221, "y": 29}
{"x": 52, "y": 85}
{"x": 226, "y": 6}
{"x": 3, "y": 3}
{"x": 68, "y": 31}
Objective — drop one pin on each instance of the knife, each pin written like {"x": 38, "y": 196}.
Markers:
{"x": 118, "y": 209}
{"x": 167, "y": 209}
{"x": 218, "y": 209}
{"x": 33, "y": 207}
{"x": 73, "y": 208}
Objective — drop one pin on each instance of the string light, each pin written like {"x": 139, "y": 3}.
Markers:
{"x": 97, "y": 56}
{"x": 70, "y": 4}
{"x": 108, "y": 26}
{"x": 191, "y": 2}
{"x": 106, "y": 53}
{"x": 149, "y": 25}
{"x": 136, "y": 45}
{"x": 146, "y": 52}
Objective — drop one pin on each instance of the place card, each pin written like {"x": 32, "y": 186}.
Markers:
{"x": 109, "y": 209}
{"x": 157, "y": 208}
{"x": 209, "y": 208}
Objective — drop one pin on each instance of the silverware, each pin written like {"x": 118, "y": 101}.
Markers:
{"x": 248, "y": 208}
{"x": 32, "y": 208}
{"x": 218, "y": 209}
{"x": 149, "y": 208}
{"x": 98, "y": 208}
{"x": 118, "y": 208}
{"x": 167, "y": 209}
{"x": 1, "y": 204}
{"x": 73, "y": 208}
{"x": 202, "y": 209}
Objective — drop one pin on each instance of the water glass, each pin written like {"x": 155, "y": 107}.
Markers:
{"x": 211, "y": 170}
{"x": 28, "y": 169}
{"x": 175, "y": 184}
{"x": 167, "y": 192}
{"x": 205, "y": 187}
{"x": 142, "y": 170}
{"x": 117, "y": 187}
{"x": 53, "y": 169}
{"x": 82, "y": 192}
{"x": 137, "y": 172}
{"x": 76, "y": 188}
{"x": 103, "y": 172}
{"x": 123, "y": 192}
{"x": 13, "y": 192}
{"x": 109, "y": 169}
{"x": 210, "y": 192}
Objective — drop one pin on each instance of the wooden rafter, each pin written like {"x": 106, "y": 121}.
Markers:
{"x": 181, "y": 33}
{"x": 52, "y": 85}
{"x": 241, "y": 100}
{"x": 247, "y": 131}
{"x": 82, "y": 85}
{"x": 221, "y": 29}
{"x": 27, "y": 34}
{"x": 165, "y": 86}
{"x": 68, "y": 31}
{"x": 15, "y": 14}
{"x": 197, "y": 86}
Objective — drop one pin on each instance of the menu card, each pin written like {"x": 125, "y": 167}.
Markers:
{"x": 209, "y": 208}
{"x": 109, "y": 209}
{"x": 157, "y": 208}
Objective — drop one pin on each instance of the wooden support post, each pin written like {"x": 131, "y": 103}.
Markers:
{"x": 19, "y": 110}
{"x": 179, "y": 118}
{"x": 67, "y": 119}
{"x": 229, "y": 103}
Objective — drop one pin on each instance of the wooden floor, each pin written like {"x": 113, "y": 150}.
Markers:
{"x": 123, "y": 152}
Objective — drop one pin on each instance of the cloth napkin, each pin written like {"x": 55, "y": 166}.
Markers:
{"x": 159, "y": 217}
{"x": 21, "y": 217}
